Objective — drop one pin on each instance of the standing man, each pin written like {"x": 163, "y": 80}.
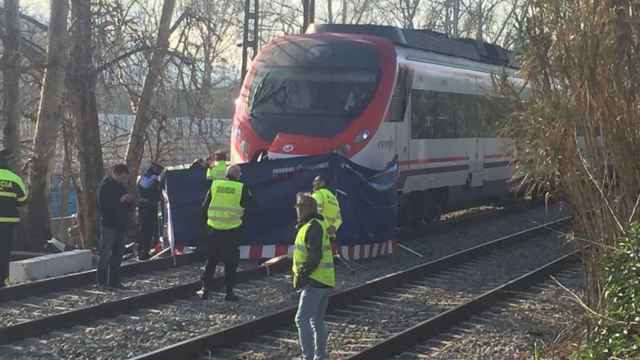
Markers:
{"x": 149, "y": 190}
{"x": 224, "y": 205}
{"x": 314, "y": 274}
{"x": 328, "y": 206}
{"x": 113, "y": 203}
{"x": 218, "y": 169}
{"x": 13, "y": 193}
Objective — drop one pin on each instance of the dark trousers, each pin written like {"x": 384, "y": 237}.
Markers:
{"x": 7, "y": 232}
{"x": 110, "y": 247}
{"x": 222, "y": 246}
{"x": 147, "y": 238}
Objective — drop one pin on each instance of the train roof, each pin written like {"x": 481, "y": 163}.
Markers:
{"x": 429, "y": 41}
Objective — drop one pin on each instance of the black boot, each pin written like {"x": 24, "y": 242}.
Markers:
{"x": 230, "y": 295}
{"x": 203, "y": 293}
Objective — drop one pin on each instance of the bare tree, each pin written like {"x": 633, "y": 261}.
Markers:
{"x": 405, "y": 11}
{"x": 50, "y": 116}
{"x": 11, "y": 78}
{"x": 81, "y": 84}
{"x": 135, "y": 149}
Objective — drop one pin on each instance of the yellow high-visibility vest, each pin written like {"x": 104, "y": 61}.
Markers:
{"x": 218, "y": 171}
{"x": 225, "y": 211}
{"x": 328, "y": 207}
{"x": 9, "y": 197}
{"x": 325, "y": 272}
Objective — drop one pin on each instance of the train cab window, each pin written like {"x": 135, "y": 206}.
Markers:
{"x": 311, "y": 101}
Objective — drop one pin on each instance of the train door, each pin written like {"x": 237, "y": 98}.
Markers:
{"x": 399, "y": 114}
{"x": 476, "y": 157}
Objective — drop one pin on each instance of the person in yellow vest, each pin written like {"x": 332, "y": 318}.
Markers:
{"x": 328, "y": 206}
{"x": 13, "y": 193}
{"x": 218, "y": 168}
{"x": 314, "y": 275}
{"x": 224, "y": 207}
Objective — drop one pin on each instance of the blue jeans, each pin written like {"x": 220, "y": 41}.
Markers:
{"x": 110, "y": 247}
{"x": 312, "y": 331}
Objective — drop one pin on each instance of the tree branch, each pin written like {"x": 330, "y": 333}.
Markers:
{"x": 121, "y": 57}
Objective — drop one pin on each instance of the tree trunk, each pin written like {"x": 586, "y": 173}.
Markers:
{"x": 480, "y": 24}
{"x": 11, "y": 76}
{"x": 344, "y": 11}
{"x": 81, "y": 84}
{"x": 135, "y": 149}
{"x": 456, "y": 18}
{"x": 66, "y": 170}
{"x": 330, "y": 11}
{"x": 49, "y": 119}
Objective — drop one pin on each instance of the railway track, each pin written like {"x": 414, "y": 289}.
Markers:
{"x": 124, "y": 309}
{"x": 364, "y": 309}
{"x": 417, "y": 336}
{"x": 66, "y": 317}
{"x": 518, "y": 301}
{"x": 58, "y": 283}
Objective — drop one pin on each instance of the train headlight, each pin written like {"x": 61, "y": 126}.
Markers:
{"x": 361, "y": 137}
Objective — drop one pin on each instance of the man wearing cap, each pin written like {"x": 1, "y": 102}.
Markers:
{"x": 218, "y": 168}
{"x": 13, "y": 193}
{"x": 224, "y": 207}
{"x": 314, "y": 275}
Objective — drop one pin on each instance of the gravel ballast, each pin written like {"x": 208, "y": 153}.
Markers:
{"x": 527, "y": 327}
{"x": 355, "y": 327}
{"x": 146, "y": 330}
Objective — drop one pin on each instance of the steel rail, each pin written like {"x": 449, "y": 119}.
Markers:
{"x": 246, "y": 331}
{"x": 39, "y": 287}
{"x": 32, "y": 328}
{"x": 113, "y": 308}
{"x": 63, "y": 282}
{"x": 441, "y": 323}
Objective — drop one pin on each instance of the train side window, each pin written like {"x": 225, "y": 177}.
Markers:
{"x": 438, "y": 115}
{"x": 467, "y": 106}
{"x": 398, "y": 104}
{"x": 492, "y": 112}
{"x": 433, "y": 115}
{"x": 421, "y": 114}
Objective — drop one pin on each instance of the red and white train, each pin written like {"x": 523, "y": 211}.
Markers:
{"x": 374, "y": 93}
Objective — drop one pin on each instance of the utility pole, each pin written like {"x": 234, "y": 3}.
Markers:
{"x": 250, "y": 34}
{"x": 308, "y": 13}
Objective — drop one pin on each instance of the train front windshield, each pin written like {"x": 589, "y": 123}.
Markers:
{"x": 319, "y": 102}
{"x": 311, "y": 86}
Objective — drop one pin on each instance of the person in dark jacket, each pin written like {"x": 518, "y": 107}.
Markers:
{"x": 114, "y": 204}
{"x": 314, "y": 275}
{"x": 13, "y": 193}
{"x": 223, "y": 208}
{"x": 149, "y": 190}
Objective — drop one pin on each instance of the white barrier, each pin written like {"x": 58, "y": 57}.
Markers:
{"x": 49, "y": 265}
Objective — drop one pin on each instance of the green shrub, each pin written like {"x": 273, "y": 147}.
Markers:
{"x": 616, "y": 335}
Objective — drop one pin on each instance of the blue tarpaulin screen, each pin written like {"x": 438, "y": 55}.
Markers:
{"x": 367, "y": 199}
